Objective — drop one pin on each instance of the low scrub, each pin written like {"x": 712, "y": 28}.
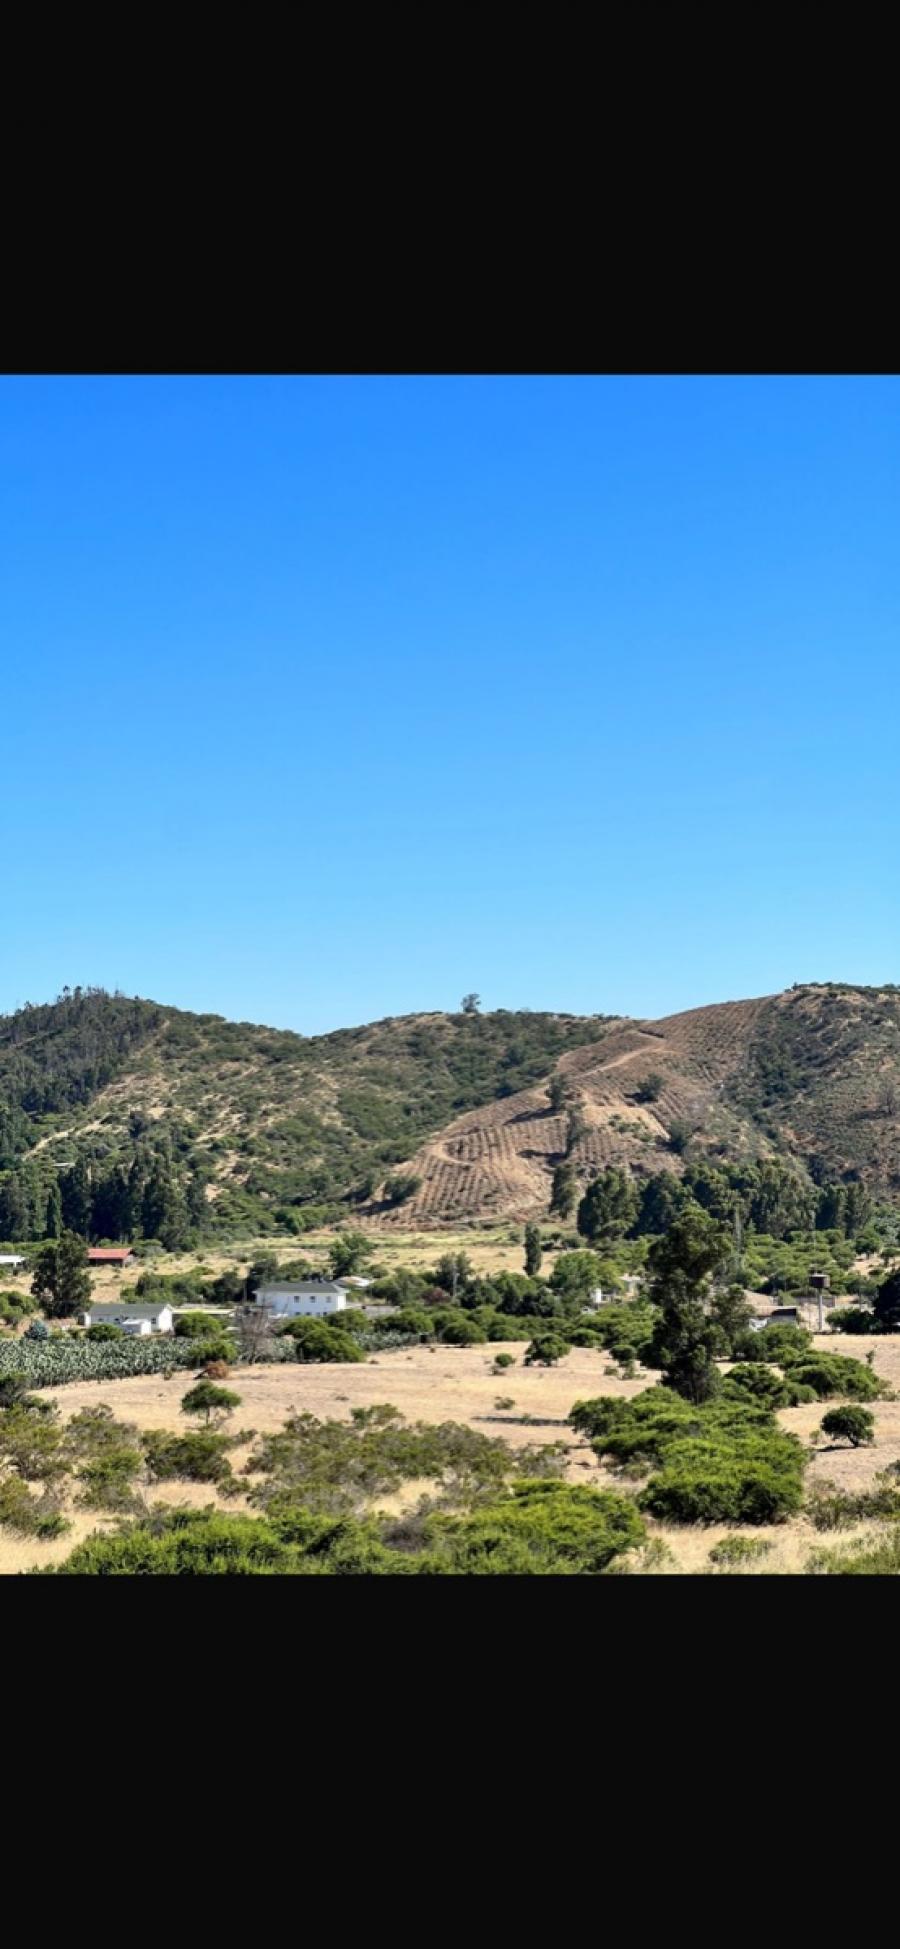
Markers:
{"x": 724, "y": 1461}
{"x": 759, "y": 1380}
{"x": 197, "y": 1457}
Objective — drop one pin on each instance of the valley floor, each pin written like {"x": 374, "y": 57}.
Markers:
{"x": 456, "y": 1384}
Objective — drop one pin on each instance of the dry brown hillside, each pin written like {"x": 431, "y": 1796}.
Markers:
{"x": 813, "y": 1074}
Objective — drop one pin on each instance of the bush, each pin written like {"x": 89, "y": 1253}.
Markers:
{"x": 29, "y": 1515}
{"x": 463, "y": 1332}
{"x": 723, "y": 1461}
{"x": 738, "y": 1552}
{"x": 761, "y": 1381}
{"x": 502, "y": 1360}
{"x": 837, "y": 1373}
{"x": 104, "y": 1331}
{"x": 198, "y": 1326}
{"x": 546, "y": 1349}
{"x": 759, "y": 1480}
{"x": 197, "y": 1457}
{"x": 320, "y": 1340}
{"x": 542, "y": 1528}
{"x": 854, "y": 1425}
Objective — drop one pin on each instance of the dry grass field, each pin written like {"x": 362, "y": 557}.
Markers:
{"x": 443, "y": 1384}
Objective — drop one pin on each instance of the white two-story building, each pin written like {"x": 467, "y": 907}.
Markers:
{"x": 315, "y": 1297}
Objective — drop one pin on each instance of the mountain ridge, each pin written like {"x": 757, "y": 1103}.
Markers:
{"x": 268, "y": 1122}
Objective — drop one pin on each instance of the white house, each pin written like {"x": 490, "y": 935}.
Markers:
{"x": 133, "y": 1319}
{"x": 14, "y": 1259}
{"x": 311, "y": 1296}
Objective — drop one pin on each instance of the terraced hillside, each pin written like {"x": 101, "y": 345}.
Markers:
{"x": 269, "y": 1122}
{"x": 812, "y": 1075}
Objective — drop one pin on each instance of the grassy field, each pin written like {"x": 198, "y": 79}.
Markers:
{"x": 442, "y": 1384}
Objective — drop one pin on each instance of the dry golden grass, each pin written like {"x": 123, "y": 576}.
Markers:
{"x": 457, "y": 1384}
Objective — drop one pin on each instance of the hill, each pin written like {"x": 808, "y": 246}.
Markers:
{"x": 249, "y": 1126}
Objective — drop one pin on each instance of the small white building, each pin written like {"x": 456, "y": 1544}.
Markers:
{"x": 314, "y": 1297}
{"x": 133, "y": 1319}
{"x": 13, "y": 1259}
{"x": 355, "y": 1280}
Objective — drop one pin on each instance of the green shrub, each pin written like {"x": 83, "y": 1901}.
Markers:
{"x": 850, "y": 1424}
{"x": 758, "y": 1480}
{"x": 836, "y": 1373}
{"x": 761, "y": 1381}
{"x": 462, "y": 1331}
{"x": 321, "y": 1340}
{"x": 105, "y": 1330}
{"x": 198, "y": 1457}
{"x": 738, "y": 1552}
{"x": 542, "y": 1528}
{"x": 198, "y": 1326}
{"x": 546, "y": 1349}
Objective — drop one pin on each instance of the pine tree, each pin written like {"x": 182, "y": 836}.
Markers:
{"x": 75, "y": 1189}
{"x": 563, "y": 1190}
{"x": 533, "y": 1250}
{"x": 53, "y": 1215}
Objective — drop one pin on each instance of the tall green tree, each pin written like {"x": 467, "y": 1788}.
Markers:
{"x": 75, "y": 1190}
{"x": 563, "y": 1190}
{"x": 53, "y": 1214}
{"x": 687, "y": 1339}
{"x": 61, "y": 1283}
{"x": 534, "y": 1252}
{"x": 610, "y": 1205}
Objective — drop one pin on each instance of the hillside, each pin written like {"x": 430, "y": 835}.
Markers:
{"x": 254, "y": 1124}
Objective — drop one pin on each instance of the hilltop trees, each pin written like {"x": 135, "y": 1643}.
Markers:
{"x": 61, "y": 1282}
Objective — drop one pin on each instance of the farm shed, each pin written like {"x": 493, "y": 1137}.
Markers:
{"x": 100, "y": 1255}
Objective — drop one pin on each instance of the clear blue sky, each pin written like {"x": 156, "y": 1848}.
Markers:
{"x": 332, "y": 698}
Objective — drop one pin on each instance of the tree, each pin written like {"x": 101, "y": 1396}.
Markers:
{"x": 661, "y": 1200}
{"x": 61, "y": 1282}
{"x": 854, "y": 1425}
{"x": 576, "y": 1125}
{"x": 470, "y": 1004}
{"x": 75, "y": 1191}
{"x": 609, "y": 1206}
{"x": 886, "y": 1304}
{"x": 686, "y": 1340}
{"x": 53, "y": 1214}
{"x": 649, "y": 1088}
{"x": 559, "y": 1092}
{"x": 534, "y": 1253}
{"x": 575, "y": 1275}
{"x": 563, "y": 1190}
{"x": 349, "y": 1251}
{"x": 208, "y": 1399}
{"x": 453, "y": 1272}
{"x": 546, "y": 1349}
{"x": 732, "y": 1316}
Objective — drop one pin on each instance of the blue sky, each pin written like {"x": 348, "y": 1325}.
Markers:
{"x": 327, "y": 699}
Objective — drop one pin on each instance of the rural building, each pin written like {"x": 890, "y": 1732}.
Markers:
{"x": 356, "y": 1281}
{"x": 100, "y": 1256}
{"x": 131, "y": 1318}
{"x": 312, "y": 1296}
{"x": 13, "y": 1259}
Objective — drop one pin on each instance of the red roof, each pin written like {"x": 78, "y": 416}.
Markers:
{"x": 96, "y": 1257}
